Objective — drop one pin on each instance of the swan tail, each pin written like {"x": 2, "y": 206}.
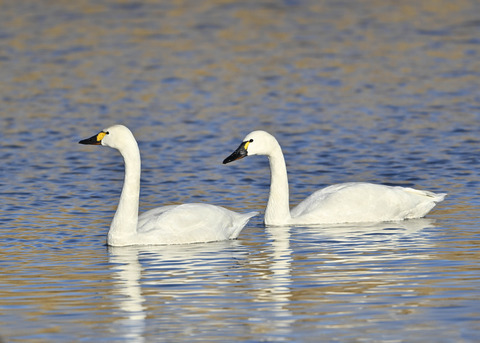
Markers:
{"x": 238, "y": 226}
{"x": 435, "y": 197}
{"x": 430, "y": 200}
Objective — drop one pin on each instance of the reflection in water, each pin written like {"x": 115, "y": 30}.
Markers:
{"x": 186, "y": 278}
{"x": 279, "y": 290}
{"x": 188, "y": 275}
{"x": 127, "y": 270}
{"x": 405, "y": 227}
{"x": 366, "y": 239}
{"x": 351, "y": 260}
{"x": 369, "y": 231}
{"x": 183, "y": 277}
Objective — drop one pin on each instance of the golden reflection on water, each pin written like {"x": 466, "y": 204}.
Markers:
{"x": 227, "y": 53}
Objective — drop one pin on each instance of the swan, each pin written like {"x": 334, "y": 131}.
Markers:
{"x": 174, "y": 224}
{"x": 352, "y": 202}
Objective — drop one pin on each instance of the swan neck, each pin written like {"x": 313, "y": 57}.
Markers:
{"x": 125, "y": 221}
{"x": 278, "y": 209}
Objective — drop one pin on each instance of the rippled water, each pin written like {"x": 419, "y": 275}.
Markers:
{"x": 375, "y": 91}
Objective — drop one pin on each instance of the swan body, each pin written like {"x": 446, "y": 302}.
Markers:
{"x": 353, "y": 202}
{"x": 174, "y": 224}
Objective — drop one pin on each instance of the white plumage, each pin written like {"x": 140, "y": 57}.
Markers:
{"x": 174, "y": 224}
{"x": 342, "y": 203}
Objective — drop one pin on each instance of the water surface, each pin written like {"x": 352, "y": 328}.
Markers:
{"x": 369, "y": 91}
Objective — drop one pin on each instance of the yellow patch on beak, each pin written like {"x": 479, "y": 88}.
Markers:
{"x": 246, "y": 145}
{"x": 100, "y": 136}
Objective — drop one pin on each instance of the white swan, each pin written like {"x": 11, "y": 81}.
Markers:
{"x": 175, "y": 224}
{"x": 341, "y": 203}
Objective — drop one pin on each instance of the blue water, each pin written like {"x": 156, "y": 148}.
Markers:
{"x": 367, "y": 91}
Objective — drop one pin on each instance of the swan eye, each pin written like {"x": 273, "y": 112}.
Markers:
{"x": 107, "y": 133}
{"x": 247, "y": 143}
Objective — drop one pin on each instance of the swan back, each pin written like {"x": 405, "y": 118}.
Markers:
{"x": 187, "y": 223}
{"x": 363, "y": 202}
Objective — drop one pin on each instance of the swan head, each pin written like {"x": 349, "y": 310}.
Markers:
{"x": 116, "y": 136}
{"x": 255, "y": 143}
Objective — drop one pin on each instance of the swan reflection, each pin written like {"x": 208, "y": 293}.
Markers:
{"x": 368, "y": 242}
{"x": 393, "y": 228}
{"x": 259, "y": 281}
{"x": 275, "y": 288}
{"x": 127, "y": 270}
{"x": 171, "y": 275}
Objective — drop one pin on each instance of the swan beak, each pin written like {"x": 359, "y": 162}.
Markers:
{"x": 94, "y": 140}
{"x": 240, "y": 153}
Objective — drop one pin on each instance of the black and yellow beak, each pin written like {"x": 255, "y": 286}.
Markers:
{"x": 94, "y": 140}
{"x": 240, "y": 153}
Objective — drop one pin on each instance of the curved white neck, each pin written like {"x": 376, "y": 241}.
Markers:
{"x": 278, "y": 208}
{"x": 125, "y": 221}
